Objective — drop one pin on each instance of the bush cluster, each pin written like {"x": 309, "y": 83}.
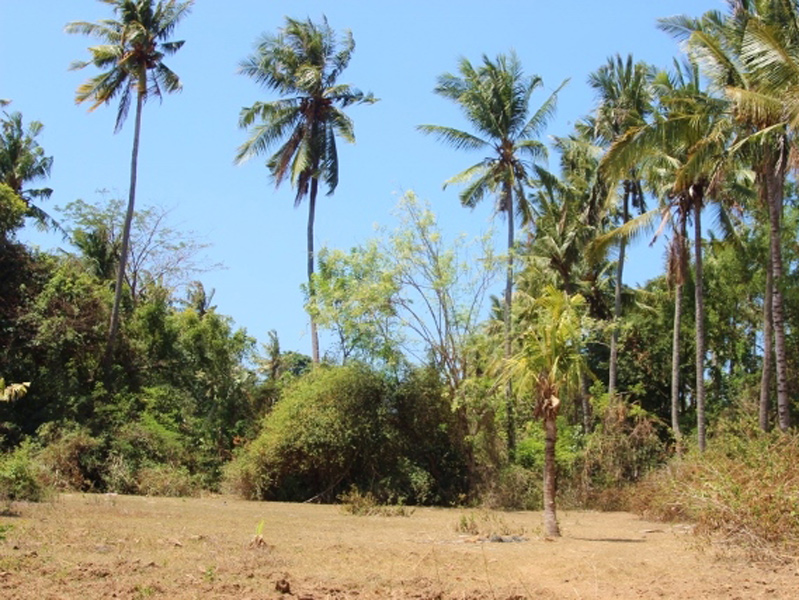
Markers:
{"x": 744, "y": 490}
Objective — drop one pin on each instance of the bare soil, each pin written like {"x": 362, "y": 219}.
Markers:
{"x": 107, "y": 546}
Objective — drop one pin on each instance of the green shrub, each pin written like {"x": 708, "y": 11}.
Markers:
{"x": 325, "y": 432}
{"x": 21, "y": 476}
{"x": 743, "y": 489}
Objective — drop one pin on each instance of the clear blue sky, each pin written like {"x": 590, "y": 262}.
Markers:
{"x": 188, "y": 141}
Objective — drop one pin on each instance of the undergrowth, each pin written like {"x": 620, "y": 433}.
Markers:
{"x": 744, "y": 490}
{"x": 356, "y": 503}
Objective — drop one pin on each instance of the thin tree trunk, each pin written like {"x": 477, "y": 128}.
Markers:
{"x": 551, "y": 528}
{"x": 675, "y": 339}
{"x": 768, "y": 349}
{"x": 675, "y": 364}
{"x": 700, "y": 323}
{"x": 775, "y": 183}
{"x": 123, "y": 253}
{"x": 614, "y": 337}
{"x": 509, "y": 400}
{"x": 311, "y": 292}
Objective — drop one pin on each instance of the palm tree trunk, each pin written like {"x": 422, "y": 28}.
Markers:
{"x": 768, "y": 349}
{"x": 509, "y": 401}
{"x": 775, "y": 181}
{"x": 614, "y": 337}
{"x": 551, "y": 528}
{"x": 700, "y": 323}
{"x": 311, "y": 293}
{"x": 675, "y": 365}
{"x": 123, "y": 252}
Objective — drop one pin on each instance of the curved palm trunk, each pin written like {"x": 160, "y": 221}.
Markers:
{"x": 614, "y": 338}
{"x": 509, "y": 401}
{"x": 768, "y": 349}
{"x": 775, "y": 181}
{"x": 123, "y": 252}
{"x": 700, "y": 324}
{"x": 551, "y": 528}
{"x": 311, "y": 217}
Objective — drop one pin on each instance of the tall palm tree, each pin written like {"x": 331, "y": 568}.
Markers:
{"x": 625, "y": 101}
{"x": 23, "y": 161}
{"x": 130, "y": 58}
{"x": 495, "y": 97}
{"x": 683, "y": 146}
{"x": 751, "y": 53}
{"x": 302, "y": 63}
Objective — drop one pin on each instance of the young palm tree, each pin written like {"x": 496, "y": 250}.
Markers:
{"x": 550, "y": 365}
{"x": 131, "y": 61}
{"x": 302, "y": 63}
{"x": 625, "y": 101}
{"x": 495, "y": 97}
{"x": 22, "y": 161}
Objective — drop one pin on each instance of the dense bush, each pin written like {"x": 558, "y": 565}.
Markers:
{"x": 344, "y": 427}
{"x": 21, "y": 476}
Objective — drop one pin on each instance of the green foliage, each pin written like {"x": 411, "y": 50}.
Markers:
{"x": 530, "y": 452}
{"x": 347, "y": 426}
{"x": 21, "y": 475}
{"x": 323, "y": 435}
{"x": 743, "y": 489}
{"x": 12, "y": 211}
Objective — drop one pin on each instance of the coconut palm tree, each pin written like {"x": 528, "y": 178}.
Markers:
{"x": 22, "y": 161}
{"x": 550, "y": 366}
{"x": 751, "y": 53}
{"x": 683, "y": 150}
{"x": 130, "y": 59}
{"x": 302, "y": 63}
{"x": 625, "y": 101}
{"x": 495, "y": 98}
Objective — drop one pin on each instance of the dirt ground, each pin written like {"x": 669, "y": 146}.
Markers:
{"x": 106, "y": 546}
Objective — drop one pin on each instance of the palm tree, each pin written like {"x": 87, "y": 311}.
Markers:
{"x": 131, "y": 61}
{"x": 22, "y": 161}
{"x": 302, "y": 63}
{"x": 751, "y": 54}
{"x": 495, "y": 97}
{"x": 625, "y": 101}
{"x": 550, "y": 365}
{"x": 683, "y": 147}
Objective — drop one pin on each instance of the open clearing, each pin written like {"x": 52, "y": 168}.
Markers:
{"x": 105, "y": 546}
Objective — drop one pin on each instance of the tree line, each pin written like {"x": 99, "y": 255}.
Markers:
{"x": 419, "y": 344}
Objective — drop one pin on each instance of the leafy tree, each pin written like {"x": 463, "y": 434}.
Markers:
{"x": 131, "y": 60}
{"x": 12, "y": 212}
{"x": 495, "y": 98}
{"x": 22, "y": 162}
{"x": 303, "y": 64}
{"x": 353, "y": 297}
{"x": 158, "y": 254}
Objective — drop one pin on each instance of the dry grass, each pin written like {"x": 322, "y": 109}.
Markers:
{"x": 84, "y": 546}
